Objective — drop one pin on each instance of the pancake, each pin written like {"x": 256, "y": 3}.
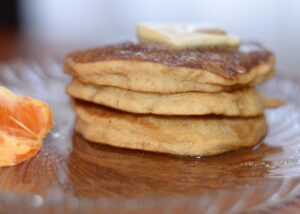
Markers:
{"x": 179, "y": 135}
{"x": 245, "y": 102}
{"x": 158, "y": 68}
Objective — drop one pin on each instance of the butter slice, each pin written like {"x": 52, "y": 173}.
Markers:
{"x": 187, "y": 35}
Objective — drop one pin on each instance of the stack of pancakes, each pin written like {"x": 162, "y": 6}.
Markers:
{"x": 180, "y": 101}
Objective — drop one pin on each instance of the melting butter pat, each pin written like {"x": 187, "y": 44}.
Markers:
{"x": 187, "y": 35}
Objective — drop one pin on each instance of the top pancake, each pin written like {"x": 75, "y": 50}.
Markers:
{"x": 158, "y": 68}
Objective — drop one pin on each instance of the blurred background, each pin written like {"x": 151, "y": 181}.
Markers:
{"x": 59, "y": 26}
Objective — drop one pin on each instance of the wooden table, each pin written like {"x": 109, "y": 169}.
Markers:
{"x": 9, "y": 43}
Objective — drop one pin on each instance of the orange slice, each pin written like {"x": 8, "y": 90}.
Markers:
{"x": 24, "y": 122}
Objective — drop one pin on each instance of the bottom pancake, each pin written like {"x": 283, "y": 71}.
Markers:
{"x": 179, "y": 135}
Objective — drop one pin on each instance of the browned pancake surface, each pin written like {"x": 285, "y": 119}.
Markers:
{"x": 227, "y": 64}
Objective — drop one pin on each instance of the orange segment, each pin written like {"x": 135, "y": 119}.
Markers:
{"x": 24, "y": 122}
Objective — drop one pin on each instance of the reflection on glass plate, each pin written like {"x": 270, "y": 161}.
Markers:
{"x": 71, "y": 174}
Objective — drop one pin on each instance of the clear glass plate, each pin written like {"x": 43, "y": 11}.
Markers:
{"x": 73, "y": 175}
